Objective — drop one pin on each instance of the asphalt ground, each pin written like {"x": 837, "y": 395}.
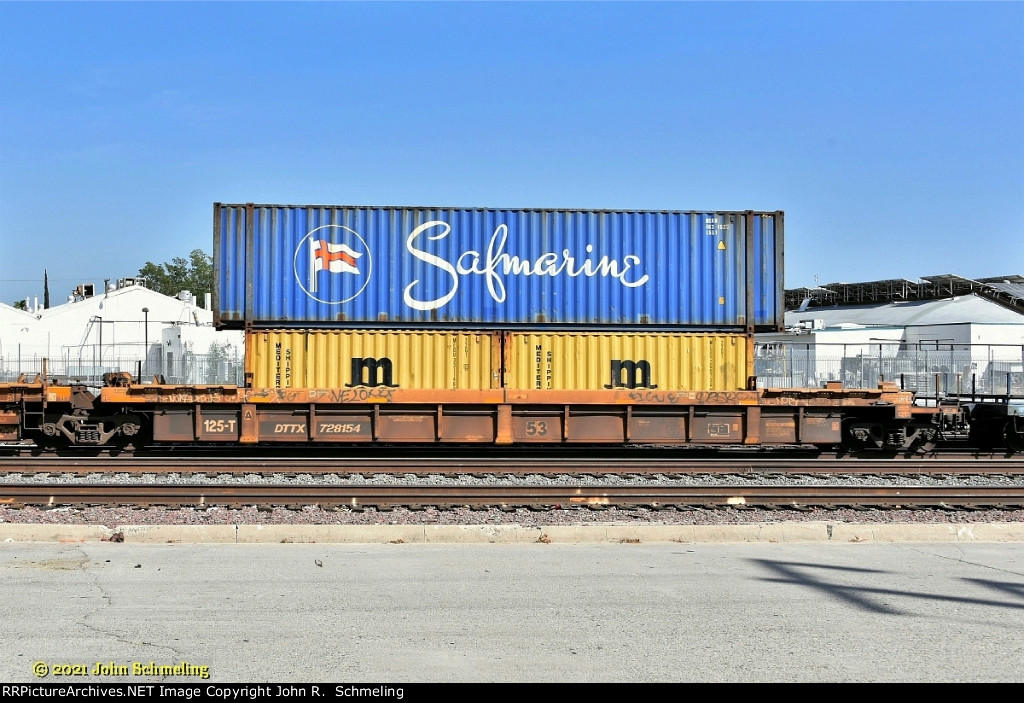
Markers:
{"x": 610, "y": 609}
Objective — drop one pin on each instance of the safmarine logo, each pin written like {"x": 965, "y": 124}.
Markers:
{"x": 333, "y": 264}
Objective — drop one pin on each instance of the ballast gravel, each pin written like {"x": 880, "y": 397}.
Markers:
{"x": 315, "y": 515}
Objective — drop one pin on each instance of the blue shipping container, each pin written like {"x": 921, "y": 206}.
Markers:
{"x": 323, "y": 266}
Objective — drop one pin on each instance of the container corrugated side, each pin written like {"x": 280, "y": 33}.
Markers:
{"x": 422, "y": 360}
{"x": 283, "y": 265}
{"x": 599, "y": 361}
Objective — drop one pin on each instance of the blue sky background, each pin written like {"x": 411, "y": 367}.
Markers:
{"x": 891, "y": 134}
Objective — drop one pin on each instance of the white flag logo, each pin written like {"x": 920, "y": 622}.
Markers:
{"x": 336, "y": 258}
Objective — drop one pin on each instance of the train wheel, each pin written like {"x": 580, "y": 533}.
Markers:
{"x": 130, "y": 431}
{"x": 49, "y": 435}
{"x": 1013, "y": 436}
{"x": 859, "y": 435}
{"x": 923, "y": 446}
{"x": 921, "y": 438}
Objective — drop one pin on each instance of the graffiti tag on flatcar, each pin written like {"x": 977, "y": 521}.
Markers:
{"x": 660, "y": 397}
{"x": 719, "y": 397}
{"x": 191, "y": 398}
{"x": 791, "y": 401}
{"x": 689, "y": 397}
{"x": 376, "y": 394}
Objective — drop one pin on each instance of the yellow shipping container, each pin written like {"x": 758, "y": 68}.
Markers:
{"x": 422, "y": 360}
{"x": 598, "y": 361}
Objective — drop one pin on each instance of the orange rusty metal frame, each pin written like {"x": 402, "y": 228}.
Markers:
{"x": 231, "y": 414}
{"x": 18, "y": 397}
{"x": 835, "y": 395}
{"x": 642, "y": 416}
{"x": 35, "y": 391}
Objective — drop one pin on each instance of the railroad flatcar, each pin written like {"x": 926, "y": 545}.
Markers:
{"x": 632, "y": 408}
{"x": 369, "y": 399}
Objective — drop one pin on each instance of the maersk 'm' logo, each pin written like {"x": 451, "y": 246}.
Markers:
{"x": 333, "y": 264}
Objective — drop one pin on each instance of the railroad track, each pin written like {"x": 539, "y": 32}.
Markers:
{"x": 172, "y": 478}
{"x": 540, "y": 497}
{"x": 551, "y": 463}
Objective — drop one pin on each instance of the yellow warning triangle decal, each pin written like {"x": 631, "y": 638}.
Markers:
{"x": 721, "y": 245}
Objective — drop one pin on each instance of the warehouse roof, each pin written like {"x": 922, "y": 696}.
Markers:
{"x": 1009, "y": 286}
{"x": 1005, "y": 290}
{"x": 905, "y": 313}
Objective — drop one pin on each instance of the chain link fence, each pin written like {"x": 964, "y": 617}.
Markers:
{"x": 930, "y": 370}
{"x": 221, "y": 367}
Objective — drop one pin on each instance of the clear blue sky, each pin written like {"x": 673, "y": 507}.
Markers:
{"x": 891, "y": 134}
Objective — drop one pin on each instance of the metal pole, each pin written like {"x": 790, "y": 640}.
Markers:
{"x": 988, "y": 370}
{"x": 952, "y": 365}
{"x": 145, "y": 364}
{"x": 917, "y": 367}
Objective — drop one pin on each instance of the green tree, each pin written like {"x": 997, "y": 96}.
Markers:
{"x": 222, "y": 364}
{"x": 194, "y": 274}
{"x": 19, "y": 304}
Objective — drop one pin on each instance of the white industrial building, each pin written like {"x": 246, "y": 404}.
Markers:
{"x": 943, "y": 334}
{"x": 126, "y": 327}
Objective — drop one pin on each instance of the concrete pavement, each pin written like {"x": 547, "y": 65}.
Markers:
{"x": 784, "y": 532}
{"x": 539, "y": 612}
